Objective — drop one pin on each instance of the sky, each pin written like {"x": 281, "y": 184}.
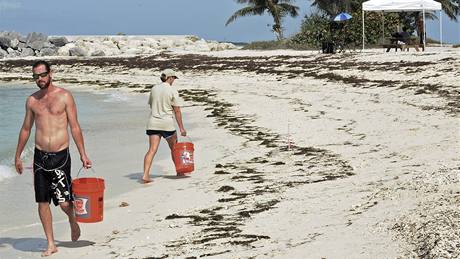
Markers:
{"x": 204, "y": 18}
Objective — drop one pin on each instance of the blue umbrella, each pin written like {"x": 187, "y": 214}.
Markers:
{"x": 342, "y": 17}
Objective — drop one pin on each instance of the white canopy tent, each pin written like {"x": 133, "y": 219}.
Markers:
{"x": 405, "y": 6}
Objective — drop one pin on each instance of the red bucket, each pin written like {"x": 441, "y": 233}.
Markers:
{"x": 88, "y": 199}
{"x": 183, "y": 157}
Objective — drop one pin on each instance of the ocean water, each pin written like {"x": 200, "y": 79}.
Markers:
{"x": 12, "y": 110}
{"x": 111, "y": 120}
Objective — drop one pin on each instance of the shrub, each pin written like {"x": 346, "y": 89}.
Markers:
{"x": 317, "y": 28}
{"x": 433, "y": 41}
{"x": 266, "y": 45}
{"x": 271, "y": 45}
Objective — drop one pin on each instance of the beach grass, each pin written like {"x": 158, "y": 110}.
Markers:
{"x": 276, "y": 44}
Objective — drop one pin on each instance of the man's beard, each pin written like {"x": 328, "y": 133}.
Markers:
{"x": 44, "y": 85}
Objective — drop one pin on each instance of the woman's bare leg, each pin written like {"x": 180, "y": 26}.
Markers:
{"x": 171, "y": 141}
{"x": 154, "y": 142}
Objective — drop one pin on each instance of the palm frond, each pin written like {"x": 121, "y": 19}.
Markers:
{"x": 451, "y": 8}
{"x": 292, "y": 10}
{"x": 250, "y": 10}
{"x": 276, "y": 8}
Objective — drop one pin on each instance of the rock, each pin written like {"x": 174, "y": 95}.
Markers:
{"x": 21, "y": 45}
{"x": 98, "y": 53}
{"x": 27, "y": 52}
{"x": 42, "y": 45}
{"x": 64, "y": 51}
{"x": 15, "y": 43}
{"x": 5, "y": 42}
{"x": 123, "y": 204}
{"x": 133, "y": 51}
{"x": 58, "y": 41}
{"x": 77, "y": 51}
{"x": 165, "y": 44}
{"x": 192, "y": 38}
{"x": 36, "y": 40}
{"x": 48, "y": 52}
{"x": 3, "y": 53}
{"x": 201, "y": 45}
{"x": 12, "y": 53}
{"x": 12, "y": 36}
{"x": 109, "y": 47}
{"x": 22, "y": 39}
{"x": 48, "y": 44}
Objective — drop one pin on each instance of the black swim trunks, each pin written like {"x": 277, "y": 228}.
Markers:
{"x": 52, "y": 178}
{"x": 162, "y": 133}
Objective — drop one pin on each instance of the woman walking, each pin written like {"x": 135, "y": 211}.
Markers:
{"x": 165, "y": 105}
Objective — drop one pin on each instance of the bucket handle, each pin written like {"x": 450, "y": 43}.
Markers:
{"x": 180, "y": 136}
{"x": 79, "y": 171}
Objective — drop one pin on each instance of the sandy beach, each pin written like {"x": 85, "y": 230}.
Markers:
{"x": 297, "y": 154}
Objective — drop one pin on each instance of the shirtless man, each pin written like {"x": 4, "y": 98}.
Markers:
{"x": 53, "y": 110}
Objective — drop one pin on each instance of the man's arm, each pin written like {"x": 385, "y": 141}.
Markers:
{"x": 71, "y": 111}
{"x": 178, "y": 116}
{"x": 24, "y": 136}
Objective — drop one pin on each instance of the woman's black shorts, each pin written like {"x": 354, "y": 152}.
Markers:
{"x": 163, "y": 133}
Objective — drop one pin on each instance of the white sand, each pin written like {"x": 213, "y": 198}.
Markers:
{"x": 400, "y": 149}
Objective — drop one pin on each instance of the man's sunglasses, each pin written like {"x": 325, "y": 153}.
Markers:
{"x": 37, "y": 76}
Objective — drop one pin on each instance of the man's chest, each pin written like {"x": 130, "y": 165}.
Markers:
{"x": 49, "y": 107}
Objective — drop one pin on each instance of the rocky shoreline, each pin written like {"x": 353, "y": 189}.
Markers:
{"x": 15, "y": 45}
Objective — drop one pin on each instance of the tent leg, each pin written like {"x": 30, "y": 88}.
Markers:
{"x": 424, "y": 31}
{"x": 383, "y": 27}
{"x": 440, "y": 25}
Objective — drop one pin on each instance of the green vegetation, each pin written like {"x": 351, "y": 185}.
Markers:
{"x": 457, "y": 46}
{"x": 193, "y": 38}
{"x": 278, "y": 9}
{"x": 318, "y": 28}
{"x": 432, "y": 41}
{"x": 276, "y": 44}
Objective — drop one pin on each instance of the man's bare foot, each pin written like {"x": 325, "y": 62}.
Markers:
{"x": 51, "y": 250}
{"x": 75, "y": 231}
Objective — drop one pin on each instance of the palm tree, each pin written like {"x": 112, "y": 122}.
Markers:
{"x": 450, "y": 7}
{"x": 276, "y": 8}
{"x": 333, "y": 7}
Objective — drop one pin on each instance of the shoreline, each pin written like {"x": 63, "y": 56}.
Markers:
{"x": 96, "y": 131}
{"x": 369, "y": 136}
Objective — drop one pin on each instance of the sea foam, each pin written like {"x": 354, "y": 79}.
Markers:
{"x": 117, "y": 97}
{"x": 6, "y": 172}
